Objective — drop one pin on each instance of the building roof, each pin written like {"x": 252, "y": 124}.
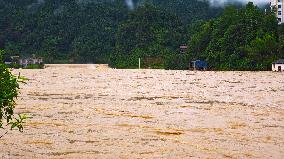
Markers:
{"x": 7, "y": 60}
{"x": 183, "y": 47}
{"x": 280, "y": 61}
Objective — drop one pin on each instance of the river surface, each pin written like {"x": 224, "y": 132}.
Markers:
{"x": 91, "y": 111}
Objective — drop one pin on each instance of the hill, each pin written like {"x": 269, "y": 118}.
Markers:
{"x": 83, "y": 31}
{"x": 118, "y": 32}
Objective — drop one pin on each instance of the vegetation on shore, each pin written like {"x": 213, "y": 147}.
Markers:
{"x": 240, "y": 39}
{"x": 29, "y": 66}
{"x": 94, "y": 31}
{"x": 8, "y": 93}
{"x": 107, "y": 31}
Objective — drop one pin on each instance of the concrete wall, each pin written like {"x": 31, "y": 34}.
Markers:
{"x": 95, "y": 66}
{"x": 275, "y": 67}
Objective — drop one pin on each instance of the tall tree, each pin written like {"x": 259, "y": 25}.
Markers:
{"x": 240, "y": 39}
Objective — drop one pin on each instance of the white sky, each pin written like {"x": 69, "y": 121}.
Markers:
{"x": 222, "y": 2}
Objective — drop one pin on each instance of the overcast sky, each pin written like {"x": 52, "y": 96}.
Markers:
{"x": 222, "y": 2}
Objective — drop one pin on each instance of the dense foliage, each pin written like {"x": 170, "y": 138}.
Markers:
{"x": 110, "y": 31}
{"x": 8, "y": 92}
{"x": 149, "y": 32}
{"x": 240, "y": 39}
{"x": 85, "y": 31}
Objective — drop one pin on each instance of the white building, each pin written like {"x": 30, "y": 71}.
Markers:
{"x": 278, "y": 65}
{"x": 32, "y": 60}
{"x": 279, "y": 6}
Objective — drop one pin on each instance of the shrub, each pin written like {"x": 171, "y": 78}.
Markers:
{"x": 8, "y": 93}
{"x": 35, "y": 66}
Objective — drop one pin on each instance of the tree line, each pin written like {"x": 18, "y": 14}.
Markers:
{"x": 108, "y": 31}
{"x": 74, "y": 31}
{"x": 240, "y": 39}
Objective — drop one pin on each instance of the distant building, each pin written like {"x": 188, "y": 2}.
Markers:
{"x": 278, "y": 65}
{"x": 199, "y": 65}
{"x": 278, "y": 5}
{"x": 32, "y": 60}
{"x": 12, "y": 60}
{"x": 183, "y": 48}
{"x": 24, "y": 62}
{"x": 8, "y": 61}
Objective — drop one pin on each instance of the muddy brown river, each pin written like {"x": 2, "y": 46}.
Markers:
{"x": 91, "y": 111}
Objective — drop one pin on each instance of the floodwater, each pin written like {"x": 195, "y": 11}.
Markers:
{"x": 90, "y": 111}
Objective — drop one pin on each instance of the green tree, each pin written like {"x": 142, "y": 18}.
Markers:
{"x": 240, "y": 39}
{"x": 8, "y": 92}
{"x": 85, "y": 31}
{"x": 149, "y": 31}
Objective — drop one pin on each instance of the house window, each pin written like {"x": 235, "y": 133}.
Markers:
{"x": 279, "y": 6}
{"x": 279, "y": 20}
{"x": 279, "y": 0}
{"x": 279, "y": 13}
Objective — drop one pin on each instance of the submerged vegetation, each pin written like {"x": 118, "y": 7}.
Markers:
{"x": 109, "y": 31}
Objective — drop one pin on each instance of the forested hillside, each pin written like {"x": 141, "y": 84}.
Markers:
{"x": 84, "y": 31}
{"x": 61, "y": 30}
{"x": 119, "y": 32}
{"x": 240, "y": 39}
